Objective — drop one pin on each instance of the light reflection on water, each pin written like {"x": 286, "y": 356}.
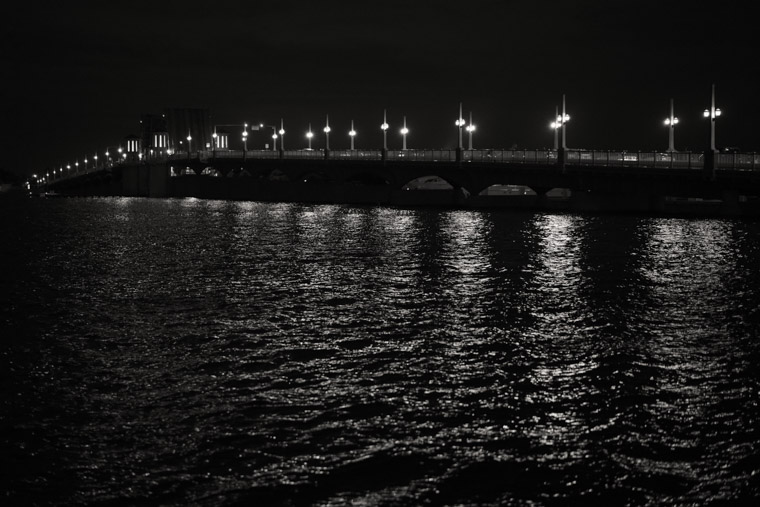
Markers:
{"x": 211, "y": 352}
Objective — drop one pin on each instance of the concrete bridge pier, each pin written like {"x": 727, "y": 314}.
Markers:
{"x": 561, "y": 158}
{"x": 710, "y": 163}
{"x": 731, "y": 202}
{"x": 586, "y": 200}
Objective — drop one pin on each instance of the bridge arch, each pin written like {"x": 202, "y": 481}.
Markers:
{"x": 428, "y": 182}
{"x": 210, "y": 171}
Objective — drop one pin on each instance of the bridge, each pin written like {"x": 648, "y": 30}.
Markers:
{"x": 593, "y": 179}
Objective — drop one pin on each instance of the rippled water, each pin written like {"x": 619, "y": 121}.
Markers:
{"x": 197, "y": 352}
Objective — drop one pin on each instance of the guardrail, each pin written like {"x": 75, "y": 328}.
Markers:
{"x": 597, "y": 158}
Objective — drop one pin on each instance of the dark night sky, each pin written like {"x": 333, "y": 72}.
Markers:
{"x": 78, "y": 75}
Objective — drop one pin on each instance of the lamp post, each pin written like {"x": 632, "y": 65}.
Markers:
{"x": 282, "y": 135}
{"x": 671, "y": 122}
{"x": 470, "y": 129}
{"x": 404, "y": 132}
{"x": 556, "y": 124}
{"x": 384, "y": 128}
{"x": 712, "y": 113}
{"x": 189, "y": 145}
{"x": 460, "y": 124}
{"x": 563, "y": 122}
{"x": 214, "y": 141}
{"x": 309, "y": 135}
{"x": 352, "y": 134}
{"x": 327, "y": 132}
{"x": 245, "y": 138}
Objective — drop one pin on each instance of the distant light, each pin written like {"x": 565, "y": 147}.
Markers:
{"x": 384, "y": 126}
{"x": 327, "y": 129}
{"x": 309, "y": 134}
{"x": 717, "y": 112}
{"x": 274, "y": 136}
{"x": 352, "y": 133}
{"x": 706, "y": 114}
{"x": 404, "y": 131}
{"x": 470, "y": 128}
{"x": 282, "y": 132}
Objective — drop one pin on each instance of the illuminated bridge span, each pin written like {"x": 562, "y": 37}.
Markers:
{"x": 643, "y": 181}
{"x": 740, "y": 161}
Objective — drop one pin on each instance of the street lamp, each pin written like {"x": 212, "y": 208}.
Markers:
{"x": 352, "y": 134}
{"x": 282, "y": 135}
{"x": 245, "y": 137}
{"x": 460, "y": 124}
{"x": 470, "y": 129}
{"x": 384, "y": 128}
{"x": 555, "y": 125}
{"x": 327, "y": 132}
{"x": 404, "y": 132}
{"x": 189, "y": 139}
{"x": 309, "y": 135}
{"x": 671, "y": 124}
{"x": 712, "y": 113}
{"x": 562, "y": 122}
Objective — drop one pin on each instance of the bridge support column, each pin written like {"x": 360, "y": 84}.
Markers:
{"x": 710, "y": 162}
{"x": 731, "y": 202}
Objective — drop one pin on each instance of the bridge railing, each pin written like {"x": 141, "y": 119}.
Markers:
{"x": 740, "y": 161}
{"x": 635, "y": 159}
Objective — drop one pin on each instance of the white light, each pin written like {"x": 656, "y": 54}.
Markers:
{"x": 404, "y": 131}
{"x": 384, "y": 126}
{"x": 471, "y": 128}
{"x": 282, "y": 132}
{"x": 274, "y": 136}
{"x": 706, "y": 114}
{"x": 352, "y": 133}
{"x": 327, "y": 129}
{"x": 717, "y": 112}
{"x": 667, "y": 121}
{"x": 675, "y": 120}
{"x": 310, "y": 134}
{"x": 189, "y": 138}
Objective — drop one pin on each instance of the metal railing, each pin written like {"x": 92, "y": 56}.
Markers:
{"x": 593, "y": 158}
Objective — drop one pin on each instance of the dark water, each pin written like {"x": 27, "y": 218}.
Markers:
{"x": 188, "y": 352}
